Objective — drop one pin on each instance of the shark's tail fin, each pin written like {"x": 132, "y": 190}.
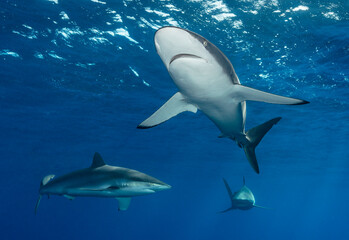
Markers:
{"x": 44, "y": 181}
{"x": 254, "y": 136}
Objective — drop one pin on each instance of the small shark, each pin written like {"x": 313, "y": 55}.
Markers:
{"x": 207, "y": 81}
{"x": 242, "y": 199}
{"x": 101, "y": 180}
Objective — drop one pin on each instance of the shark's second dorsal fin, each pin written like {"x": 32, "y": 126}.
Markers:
{"x": 97, "y": 161}
{"x": 243, "y": 180}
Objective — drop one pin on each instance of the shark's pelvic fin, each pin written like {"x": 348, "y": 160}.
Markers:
{"x": 254, "y": 136}
{"x": 97, "y": 161}
{"x": 124, "y": 203}
{"x": 174, "y": 106}
{"x": 242, "y": 93}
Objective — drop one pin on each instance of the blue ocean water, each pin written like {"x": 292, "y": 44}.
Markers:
{"x": 77, "y": 77}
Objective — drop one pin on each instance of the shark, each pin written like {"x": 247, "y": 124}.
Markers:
{"x": 242, "y": 199}
{"x": 101, "y": 180}
{"x": 207, "y": 81}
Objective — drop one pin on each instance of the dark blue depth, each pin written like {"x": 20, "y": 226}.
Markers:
{"x": 77, "y": 77}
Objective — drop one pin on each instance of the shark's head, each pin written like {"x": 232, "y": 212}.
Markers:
{"x": 155, "y": 187}
{"x": 44, "y": 188}
{"x": 49, "y": 186}
{"x": 173, "y": 43}
{"x": 140, "y": 183}
{"x": 246, "y": 194}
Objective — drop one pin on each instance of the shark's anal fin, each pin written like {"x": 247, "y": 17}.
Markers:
{"x": 174, "y": 106}
{"x": 254, "y": 136}
{"x": 243, "y": 93}
{"x": 124, "y": 203}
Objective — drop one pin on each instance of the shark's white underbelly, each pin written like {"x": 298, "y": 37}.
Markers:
{"x": 123, "y": 192}
{"x": 206, "y": 86}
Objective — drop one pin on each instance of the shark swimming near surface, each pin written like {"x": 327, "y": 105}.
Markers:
{"x": 101, "y": 180}
{"x": 207, "y": 81}
{"x": 242, "y": 199}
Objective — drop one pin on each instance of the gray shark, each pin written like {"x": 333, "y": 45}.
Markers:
{"x": 207, "y": 81}
{"x": 242, "y": 199}
{"x": 101, "y": 180}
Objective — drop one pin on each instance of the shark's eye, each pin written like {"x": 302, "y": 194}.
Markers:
{"x": 205, "y": 43}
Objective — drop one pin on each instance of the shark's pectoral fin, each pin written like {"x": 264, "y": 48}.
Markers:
{"x": 260, "y": 206}
{"x": 174, "y": 106}
{"x": 226, "y": 210}
{"x": 124, "y": 203}
{"x": 69, "y": 197}
{"x": 242, "y": 93}
{"x": 37, "y": 204}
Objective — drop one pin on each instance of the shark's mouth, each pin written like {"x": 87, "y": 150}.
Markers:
{"x": 183, "y": 55}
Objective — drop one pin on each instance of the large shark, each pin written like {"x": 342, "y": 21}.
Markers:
{"x": 207, "y": 81}
{"x": 101, "y": 180}
{"x": 242, "y": 199}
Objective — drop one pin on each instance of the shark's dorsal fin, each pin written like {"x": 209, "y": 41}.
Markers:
{"x": 97, "y": 161}
{"x": 243, "y": 180}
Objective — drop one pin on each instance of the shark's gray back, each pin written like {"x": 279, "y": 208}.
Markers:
{"x": 106, "y": 173}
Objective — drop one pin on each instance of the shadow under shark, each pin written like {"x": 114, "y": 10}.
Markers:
{"x": 207, "y": 81}
{"x": 242, "y": 199}
{"x": 101, "y": 180}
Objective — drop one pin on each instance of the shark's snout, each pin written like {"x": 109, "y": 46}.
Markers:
{"x": 159, "y": 187}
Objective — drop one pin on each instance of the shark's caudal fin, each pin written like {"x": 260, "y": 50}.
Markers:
{"x": 44, "y": 181}
{"x": 174, "y": 106}
{"x": 255, "y": 135}
{"x": 242, "y": 93}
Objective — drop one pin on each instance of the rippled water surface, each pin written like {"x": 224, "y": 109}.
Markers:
{"x": 78, "y": 77}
